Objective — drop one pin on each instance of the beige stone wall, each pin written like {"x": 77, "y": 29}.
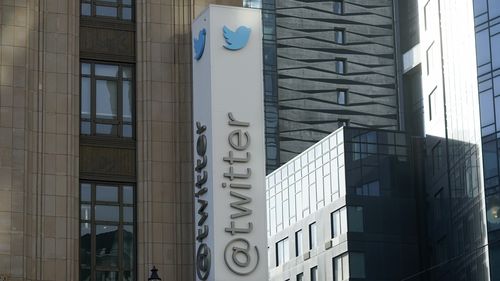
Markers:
{"x": 165, "y": 209}
{"x": 39, "y": 139}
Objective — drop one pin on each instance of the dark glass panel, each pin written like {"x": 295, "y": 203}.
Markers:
{"x": 106, "y": 99}
{"x": 105, "y": 129}
{"x": 106, "y": 276}
{"x": 128, "y": 247}
{"x": 127, "y": 13}
{"x": 86, "y": 9}
{"x": 106, "y": 193}
{"x": 127, "y": 131}
{"x": 85, "y": 128}
{"x": 106, "y": 243}
{"x": 128, "y": 194}
{"x": 85, "y": 192}
{"x": 357, "y": 265}
{"x": 107, "y": 213}
{"x": 490, "y": 159}
{"x": 85, "y": 97}
{"x": 85, "y": 245}
{"x": 487, "y": 110}
{"x": 106, "y": 70}
{"x": 85, "y": 69}
{"x": 84, "y": 274}
{"x": 106, "y": 11}
{"x": 127, "y": 2}
{"x": 128, "y": 214}
{"x": 128, "y": 275}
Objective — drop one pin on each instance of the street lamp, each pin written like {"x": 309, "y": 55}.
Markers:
{"x": 154, "y": 275}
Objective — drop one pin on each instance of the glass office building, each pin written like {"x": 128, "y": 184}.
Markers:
{"x": 487, "y": 27}
{"x": 344, "y": 209}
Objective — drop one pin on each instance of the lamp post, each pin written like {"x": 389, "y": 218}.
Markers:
{"x": 154, "y": 275}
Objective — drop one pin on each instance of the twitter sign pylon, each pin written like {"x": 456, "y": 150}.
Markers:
{"x": 229, "y": 152}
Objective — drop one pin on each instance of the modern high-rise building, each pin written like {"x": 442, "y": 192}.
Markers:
{"x": 335, "y": 64}
{"x": 435, "y": 106}
{"x": 487, "y": 26}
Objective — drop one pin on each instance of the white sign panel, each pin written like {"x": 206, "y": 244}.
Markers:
{"x": 229, "y": 152}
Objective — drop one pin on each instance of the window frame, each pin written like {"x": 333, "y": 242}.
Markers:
{"x": 119, "y": 5}
{"x": 345, "y": 93}
{"x": 313, "y": 243}
{"x": 120, "y": 269}
{"x": 119, "y": 120}
{"x": 298, "y": 244}
{"x": 285, "y": 244}
{"x": 314, "y": 273}
{"x": 340, "y": 70}
{"x": 341, "y": 5}
{"x": 339, "y": 31}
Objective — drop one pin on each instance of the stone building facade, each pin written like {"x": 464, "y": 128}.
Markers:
{"x": 46, "y": 154}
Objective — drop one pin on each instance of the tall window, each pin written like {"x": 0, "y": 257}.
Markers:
{"x": 300, "y": 277}
{"x": 357, "y": 265}
{"x": 117, "y": 9}
{"x": 298, "y": 243}
{"x": 355, "y": 218}
{"x": 107, "y": 234}
{"x": 340, "y": 66}
{"x": 341, "y": 268}
{"x": 339, "y": 222}
{"x": 312, "y": 236}
{"x": 342, "y": 96}
{"x": 282, "y": 252}
{"x": 107, "y": 94}
{"x": 339, "y": 35}
{"x": 314, "y": 273}
{"x": 338, "y": 7}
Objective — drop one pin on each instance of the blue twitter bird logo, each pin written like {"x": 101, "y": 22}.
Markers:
{"x": 199, "y": 44}
{"x": 236, "y": 40}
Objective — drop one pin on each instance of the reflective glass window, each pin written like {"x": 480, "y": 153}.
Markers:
{"x": 487, "y": 108}
{"x": 338, "y": 7}
{"x": 107, "y": 100}
{"x": 342, "y": 97}
{"x": 112, "y": 9}
{"x": 340, "y": 66}
{"x": 107, "y": 235}
{"x": 339, "y": 36}
{"x": 480, "y": 6}
{"x": 494, "y": 9}
{"x": 482, "y": 47}
{"x": 357, "y": 265}
{"x": 490, "y": 159}
{"x": 495, "y": 45}
{"x": 355, "y": 219}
